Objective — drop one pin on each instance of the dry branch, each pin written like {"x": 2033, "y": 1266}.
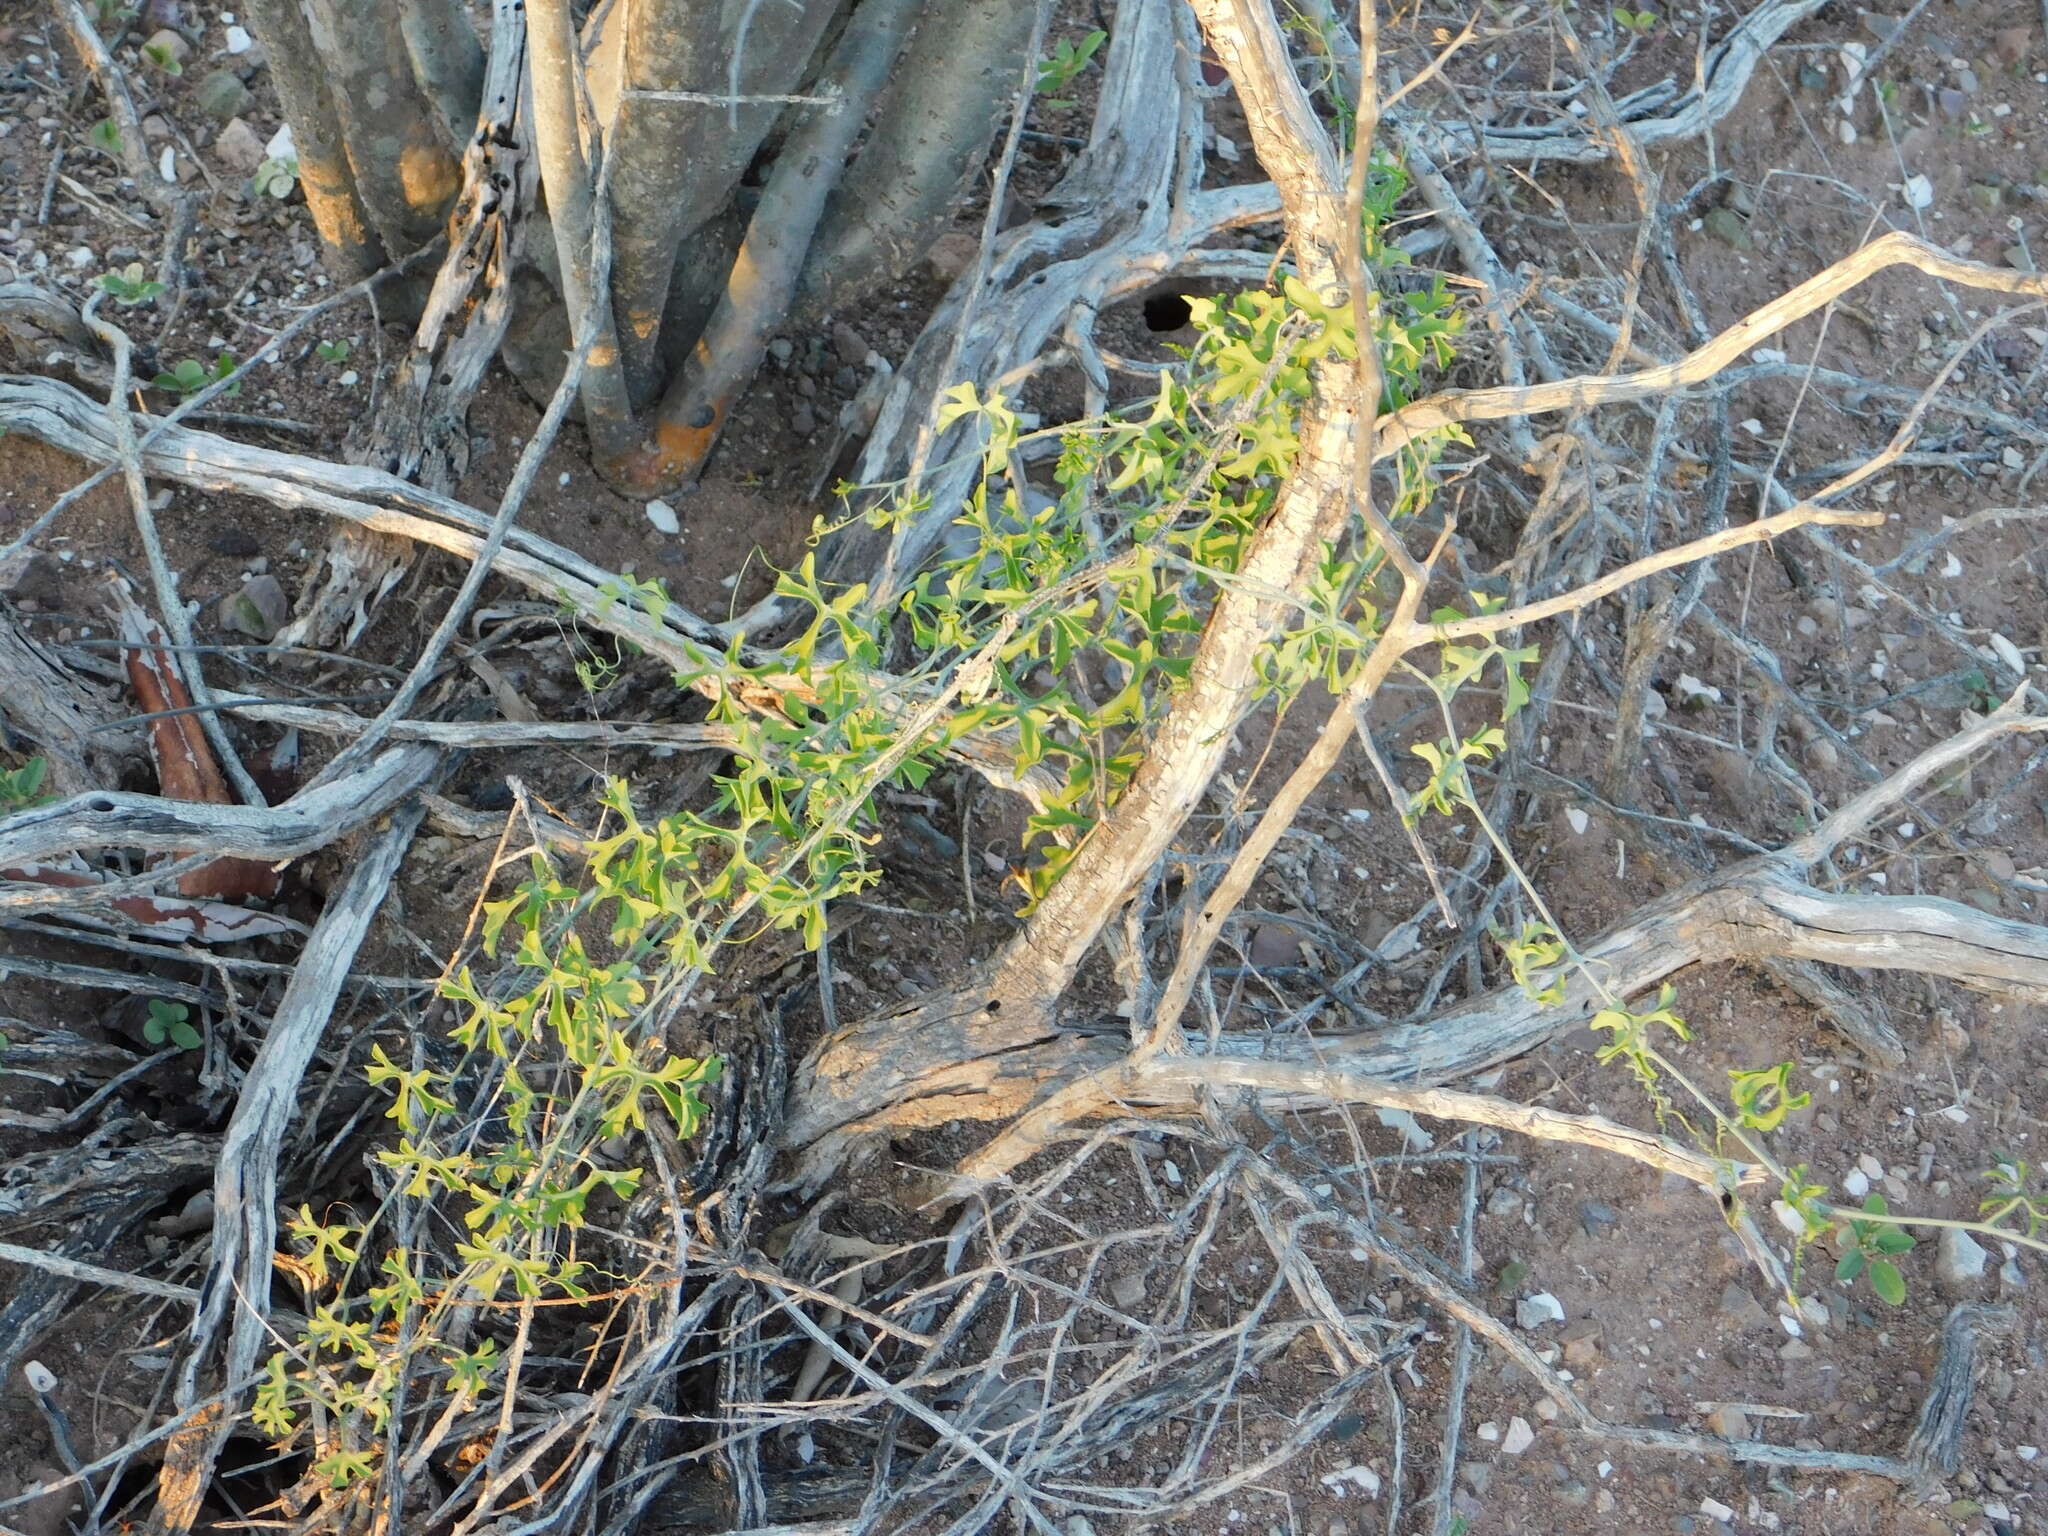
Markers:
{"x": 1703, "y": 363}
{"x": 598, "y": 735}
{"x": 238, "y": 1274}
{"x": 94, "y": 1274}
{"x": 1660, "y": 114}
{"x": 382, "y": 503}
{"x": 1761, "y": 908}
{"x": 1181, "y": 1084}
{"x": 309, "y": 820}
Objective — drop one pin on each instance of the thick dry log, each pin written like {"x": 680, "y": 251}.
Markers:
{"x": 66, "y": 1186}
{"x": 62, "y": 714}
{"x": 916, "y": 1070}
{"x": 692, "y": 647}
{"x": 309, "y": 820}
{"x": 238, "y": 1271}
{"x": 1936, "y": 1444}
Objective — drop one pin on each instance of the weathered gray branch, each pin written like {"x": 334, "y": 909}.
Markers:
{"x": 309, "y": 820}
{"x": 238, "y": 1271}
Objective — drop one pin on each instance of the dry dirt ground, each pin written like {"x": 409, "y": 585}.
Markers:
{"x": 1663, "y": 1322}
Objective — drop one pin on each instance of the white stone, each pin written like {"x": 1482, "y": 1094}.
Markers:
{"x": 1359, "y": 1473}
{"x": 663, "y": 516}
{"x": 281, "y": 146}
{"x": 1534, "y": 1311}
{"x": 1959, "y": 1262}
{"x": 1578, "y": 819}
{"x": 1855, "y": 1184}
{"x": 1918, "y": 192}
{"x": 1518, "y": 1438}
{"x": 239, "y": 40}
{"x": 1413, "y": 1136}
{"x": 1489, "y": 1432}
{"x": 1714, "y": 1509}
{"x": 1690, "y": 687}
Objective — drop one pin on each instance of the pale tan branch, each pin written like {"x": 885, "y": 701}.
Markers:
{"x": 1764, "y": 528}
{"x": 1892, "y": 250}
{"x": 1856, "y": 815}
{"x": 1179, "y": 1082}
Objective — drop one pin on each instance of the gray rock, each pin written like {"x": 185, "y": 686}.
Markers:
{"x": 1743, "y": 1309}
{"x": 1729, "y": 1422}
{"x": 166, "y": 44}
{"x": 239, "y": 147}
{"x": 1959, "y": 1262}
{"x": 1597, "y": 1219}
{"x": 222, "y": 96}
{"x": 1730, "y": 228}
{"x": 258, "y": 610}
{"x": 1534, "y": 1311}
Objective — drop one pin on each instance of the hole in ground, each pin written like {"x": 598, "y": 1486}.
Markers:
{"x": 1167, "y": 312}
